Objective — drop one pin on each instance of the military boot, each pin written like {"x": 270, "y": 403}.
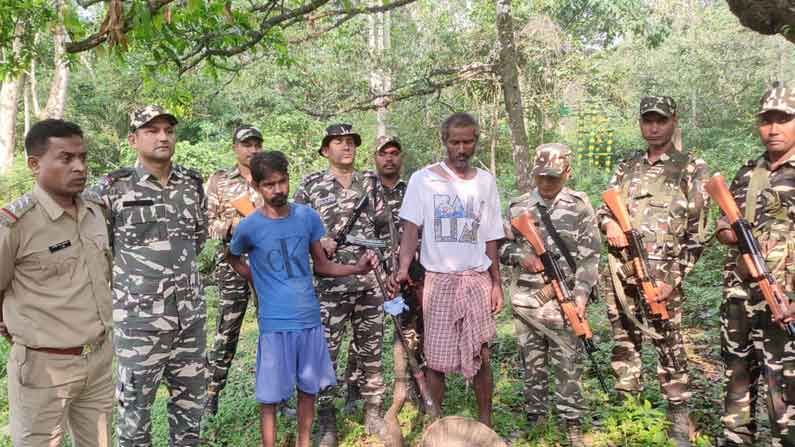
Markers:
{"x": 373, "y": 419}
{"x": 351, "y": 399}
{"x": 679, "y": 432}
{"x": 574, "y": 434}
{"x": 327, "y": 427}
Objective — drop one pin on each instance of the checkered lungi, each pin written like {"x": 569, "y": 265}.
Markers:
{"x": 458, "y": 321}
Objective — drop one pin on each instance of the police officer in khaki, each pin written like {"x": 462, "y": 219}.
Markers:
{"x": 56, "y": 298}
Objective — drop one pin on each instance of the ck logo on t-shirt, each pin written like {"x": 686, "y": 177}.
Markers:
{"x": 288, "y": 255}
{"x": 455, "y": 220}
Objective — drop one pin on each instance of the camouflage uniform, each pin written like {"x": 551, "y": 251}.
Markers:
{"x": 667, "y": 203}
{"x": 752, "y": 345}
{"x": 411, "y": 320}
{"x": 350, "y": 298}
{"x": 159, "y": 310}
{"x": 575, "y": 221}
{"x": 223, "y": 187}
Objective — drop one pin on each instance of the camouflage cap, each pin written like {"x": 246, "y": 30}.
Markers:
{"x": 246, "y": 132}
{"x": 339, "y": 130}
{"x": 386, "y": 140}
{"x": 779, "y": 97}
{"x": 140, "y": 117}
{"x": 664, "y": 105}
{"x": 551, "y": 159}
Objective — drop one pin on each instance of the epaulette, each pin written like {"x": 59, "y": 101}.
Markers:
{"x": 111, "y": 177}
{"x": 513, "y": 201}
{"x": 312, "y": 178}
{"x": 12, "y": 212}
{"x": 580, "y": 195}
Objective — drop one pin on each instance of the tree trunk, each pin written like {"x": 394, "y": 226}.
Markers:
{"x": 9, "y": 98}
{"x": 56, "y": 100}
{"x": 34, "y": 89}
{"x": 26, "y": 102}
{"x": 512, "y": 95}
{"x": 380, "y": 79}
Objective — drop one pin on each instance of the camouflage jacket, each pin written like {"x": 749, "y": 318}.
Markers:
{"x": 223, "y": 187}
{"x": 335, "y": 204}
{"x": 394, "y": 198}
{"x": 156, "y": 233}
{"x": 773, "y": 223}
{"x": 668, "y": 204}
{"x": 574, "y": 219}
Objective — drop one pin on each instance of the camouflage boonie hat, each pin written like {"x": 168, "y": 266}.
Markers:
{"x": 140, "y": 117}
{"x": 779, "y": 97}
{"x": 551, "y": 159}
{"x": 339, "y": 130}
{"x": 664, "y": 105}
{"x": 387, "y": 140}
{"x": 246, "y": 132}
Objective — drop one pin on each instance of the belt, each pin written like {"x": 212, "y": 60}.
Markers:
{"x": 85, "y": 349}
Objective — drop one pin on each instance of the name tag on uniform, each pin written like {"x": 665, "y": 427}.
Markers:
{"x": 138, "y": 203}
{"x": 59, "y": 246}
{"x": 328, "y": 200}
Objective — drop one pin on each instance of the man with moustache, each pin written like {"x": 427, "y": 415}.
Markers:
{"x": 663, "y": 189}
{"x": 752, "y": 344}
{"x": 225, "y": 189}
{"x": 55, "y": 295}
{"x": 334, "y": 193}
{"x": 458, "y": 208}
{"x": 158, "y": 221}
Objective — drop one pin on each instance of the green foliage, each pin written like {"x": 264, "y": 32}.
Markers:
{"x": 20, "y": 20}
{"x": 634, "y": 423}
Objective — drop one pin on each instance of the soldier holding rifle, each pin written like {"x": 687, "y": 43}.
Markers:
{"x": 665, "y": 202}
{"x": 757, "y": 331}
{"x": 566, "y": 226}
{"x": 230, "y": 197}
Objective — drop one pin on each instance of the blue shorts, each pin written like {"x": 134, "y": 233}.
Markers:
{"x": 289, "y": 359}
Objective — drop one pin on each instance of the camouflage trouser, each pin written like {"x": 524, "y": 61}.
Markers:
{"x": 743, "y": 370}
{"x": 746, "y": 323}
{"x": 233, "y": 296}
{"x": 539, "y": 353}
{"x": 671, "y": 355}
{"x": 365, "y": 312}
{"x": 144, "y": 357}
{"x": 411, "y": 326}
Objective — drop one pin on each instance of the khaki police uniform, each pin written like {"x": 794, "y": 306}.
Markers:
{"x": 55, "y": 289}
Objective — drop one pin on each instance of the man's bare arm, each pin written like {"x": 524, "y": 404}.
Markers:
{"x": 241, "y": 267}
{"x": 325, "y": 267}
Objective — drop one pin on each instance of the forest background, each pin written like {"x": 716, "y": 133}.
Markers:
{"x": 570, "y": 71}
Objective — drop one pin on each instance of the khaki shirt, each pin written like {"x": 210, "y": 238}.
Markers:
{"x": 55, "y": 274}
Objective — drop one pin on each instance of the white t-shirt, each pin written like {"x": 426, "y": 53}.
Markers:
{"x": 457, "y": 218}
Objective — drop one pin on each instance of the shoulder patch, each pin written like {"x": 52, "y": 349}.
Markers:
{"x": 111, "y": 177}
{"x": 90, "y": 195}
{"x": 12, "y": 212}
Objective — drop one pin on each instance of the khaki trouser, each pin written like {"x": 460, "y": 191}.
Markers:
{"x": 52, "y": 393}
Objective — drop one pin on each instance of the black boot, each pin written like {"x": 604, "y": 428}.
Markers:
{"x": 211, "y": 405}
{"x": 373, "y": 419}
{"x": 679, "y": 432}
{"x": 327, "y": 427}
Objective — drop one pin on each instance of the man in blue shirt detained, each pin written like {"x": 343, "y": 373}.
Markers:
{"x": 279, "y": 239}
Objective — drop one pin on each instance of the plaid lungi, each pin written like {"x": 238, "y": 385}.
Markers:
{"x": 458, "y": 321}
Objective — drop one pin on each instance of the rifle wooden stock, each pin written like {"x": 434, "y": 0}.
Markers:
{"x": 525, "y": 225}
{"x": 243, "y": 205}
{"x": 751, "y": 254}
{"x": 648, "y": 287}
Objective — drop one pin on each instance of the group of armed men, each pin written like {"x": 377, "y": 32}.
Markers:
{"x": 89, "y": 274}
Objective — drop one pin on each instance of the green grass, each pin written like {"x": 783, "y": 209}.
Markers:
{"x": 633, "y": 424}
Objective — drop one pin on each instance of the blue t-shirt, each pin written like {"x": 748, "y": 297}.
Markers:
{"x": 278, "y": 252}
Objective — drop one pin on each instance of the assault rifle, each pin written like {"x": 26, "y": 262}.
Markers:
{"x": 416, "y": 370}
{"x": 339, "y": 239}
{"x": 555, "y": 278}
{"x": 637, "y": 254}
{"x": 750, "y": 252}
